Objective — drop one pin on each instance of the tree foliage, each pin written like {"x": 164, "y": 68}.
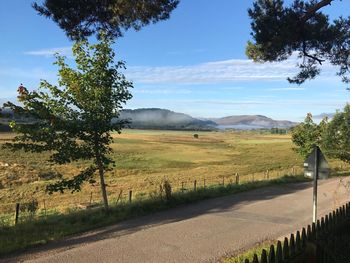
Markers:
{"x": 73, "y": 121}
{"x": 332, "y": 136}
{"x": 83, "y": 18}
{"x": 336, "y": 138}
{"x": 308, "y": 134}
{"x": 279, "y": 31}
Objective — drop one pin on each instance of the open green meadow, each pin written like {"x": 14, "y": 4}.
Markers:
{"x": 143, "y": 159}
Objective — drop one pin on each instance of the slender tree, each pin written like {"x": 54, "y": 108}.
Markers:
{"x": 308, "y": 134}
{"x": 280, "y": 31}
{"x": 83, "y": 18}
{"x": 73, "y": 121}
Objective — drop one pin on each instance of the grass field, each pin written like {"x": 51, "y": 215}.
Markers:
{"x": 144, "y": 158}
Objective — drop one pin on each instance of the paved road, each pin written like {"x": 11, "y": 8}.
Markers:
{"x": 202, "y": 232}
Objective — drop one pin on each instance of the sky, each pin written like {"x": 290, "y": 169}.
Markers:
{"x": 193, "y": 63}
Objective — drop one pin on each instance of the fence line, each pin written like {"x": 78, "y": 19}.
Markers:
{"x": 316, "y": 243}
{"x": 126, "y": 194}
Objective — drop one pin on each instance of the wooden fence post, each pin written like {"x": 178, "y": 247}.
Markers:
{"x": 237, "y": 179}
{"x": 279, "y": 255}
{"x": 267, "y": 175}
{"x": 182, "y": 187}
{"x": 119, "y": 196}
{"x": 313, "y": 230}
{"x": 272, "y": 257}
{"x": 308, "y": 233}
{"x": 263, "y": 256}
{"x": 303, "y": 237}
{"x": 44, "y": 207}
{"x": 298, "y": 245}
{"x": 285, "y": 249}
{"x": 16, "y": 213}
{"x": 130, "y": 196}
{"x": 223, "y": 181}
{"x": 292, "y": 245}
{"x": 90, "y": 197}
{"x": 195, "y": 185}
{"x": 204, "y": 182}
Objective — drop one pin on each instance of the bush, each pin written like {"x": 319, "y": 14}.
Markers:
{"x": 165, "y": 190}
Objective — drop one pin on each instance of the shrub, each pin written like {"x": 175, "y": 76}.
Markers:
{"x": 167, "y": 189}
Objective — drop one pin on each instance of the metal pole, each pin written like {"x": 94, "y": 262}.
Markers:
{"x": 314, "y": 217}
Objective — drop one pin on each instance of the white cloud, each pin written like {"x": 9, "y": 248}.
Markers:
{"x": 286, "y": 89}
{"x": 219, "y": 72}
{"x": 256, "y": 102}
{"x": 162, "y": 91}
{"x": 49, "y": 52}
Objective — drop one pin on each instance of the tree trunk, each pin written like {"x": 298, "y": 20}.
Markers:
{"x": 100, "y": 167}
{"x": 103, "y": 186}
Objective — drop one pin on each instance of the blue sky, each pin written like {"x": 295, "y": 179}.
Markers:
{"x": 193, "y": 63}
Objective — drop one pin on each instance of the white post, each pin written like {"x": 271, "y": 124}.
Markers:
{"x": 314, "y": 216}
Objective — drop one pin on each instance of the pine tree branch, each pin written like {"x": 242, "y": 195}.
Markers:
{"x": 306, "y": 54}
{"x": 311, "y": 11}
{"x": 313, "y": 57}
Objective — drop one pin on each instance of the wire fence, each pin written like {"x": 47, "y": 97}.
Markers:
{"x": 29, "y": 209}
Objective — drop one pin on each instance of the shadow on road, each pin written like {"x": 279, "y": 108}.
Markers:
{"x": 216, "y": 205}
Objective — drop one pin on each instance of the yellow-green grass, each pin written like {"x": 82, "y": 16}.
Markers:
{"x": 144, "y": 158}
{"x": 241, "y": 256}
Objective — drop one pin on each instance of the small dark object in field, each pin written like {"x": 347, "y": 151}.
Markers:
{"x": 50, "y": 175}
{"x": 196, "y": 136}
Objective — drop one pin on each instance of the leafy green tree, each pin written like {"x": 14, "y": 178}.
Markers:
{"x": 308, "y": 134}
{"x": 83, "y": 18}
{"x": 279, "y": 31}
{"x": 73, "y": 121}
{"x": 336, "y": 137}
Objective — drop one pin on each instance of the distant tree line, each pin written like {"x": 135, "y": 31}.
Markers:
{"x": 279, "y": 130}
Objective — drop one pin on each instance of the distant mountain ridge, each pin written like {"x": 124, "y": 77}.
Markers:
{"x": 154, "y": 118}
{"x": 252, "y": 121}
{"x": 163, "y": 119}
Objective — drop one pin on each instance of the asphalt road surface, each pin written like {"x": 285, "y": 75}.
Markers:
{"x": 201, "y": 232}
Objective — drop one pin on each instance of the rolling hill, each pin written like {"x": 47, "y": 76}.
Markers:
{"x": 163, "y": 119}
{"x": 154, "y": 118}
{"x": 251, "y": 122}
